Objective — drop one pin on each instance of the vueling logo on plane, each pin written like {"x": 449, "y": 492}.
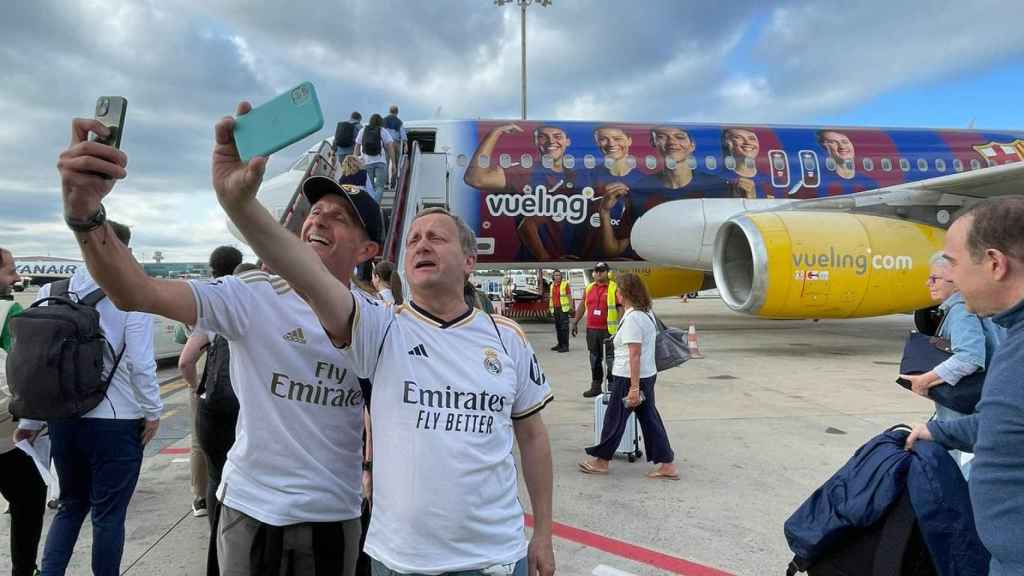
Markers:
{"x": 859, "y": 263}
{"x": 539, "y": 201}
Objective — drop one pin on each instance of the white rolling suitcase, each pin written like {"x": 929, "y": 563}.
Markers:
{"x": 629, "y": 446}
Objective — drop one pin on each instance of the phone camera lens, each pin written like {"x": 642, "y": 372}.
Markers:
{"x": 299, "y": 95}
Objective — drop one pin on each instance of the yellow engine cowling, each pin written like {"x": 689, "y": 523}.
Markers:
{"x": 665, "y": 281}
{"x": 792, "y": 264}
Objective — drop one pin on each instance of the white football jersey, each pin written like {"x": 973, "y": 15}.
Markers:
{"x": 298, "y": 449}
{"x": 443, "y": 400}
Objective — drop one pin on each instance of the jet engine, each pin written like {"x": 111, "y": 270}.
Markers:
{"x": 810, "y": 264}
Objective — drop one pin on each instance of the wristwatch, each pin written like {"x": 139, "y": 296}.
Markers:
{"x": 87, "y": 224}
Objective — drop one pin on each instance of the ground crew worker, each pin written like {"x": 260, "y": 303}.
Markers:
{"x": 560, "y": 306}
{"x": 602, "y": 307}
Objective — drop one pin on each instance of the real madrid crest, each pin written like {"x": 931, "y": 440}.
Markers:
{"x": 491, "y": 361}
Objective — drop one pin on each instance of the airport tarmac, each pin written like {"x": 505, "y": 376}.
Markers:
{"x": 773, "y": 411}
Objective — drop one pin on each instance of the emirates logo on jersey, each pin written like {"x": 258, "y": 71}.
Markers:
{"x": 491, "y": 361}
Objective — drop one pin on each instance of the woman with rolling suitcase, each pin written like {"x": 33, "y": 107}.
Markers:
{"x": 632, "y": 389}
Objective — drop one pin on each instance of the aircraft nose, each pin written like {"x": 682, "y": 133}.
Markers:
{"x": 671, "y": 233}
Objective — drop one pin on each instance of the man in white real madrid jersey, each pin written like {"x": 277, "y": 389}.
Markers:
{"x": 291, "y": 487}
{"x": 453, "y": 388}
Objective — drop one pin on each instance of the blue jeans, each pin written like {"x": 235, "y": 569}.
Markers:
{"x": 378, "y": 175}
{"x": 98, "y": 462}
{"x": 518, "y": 569}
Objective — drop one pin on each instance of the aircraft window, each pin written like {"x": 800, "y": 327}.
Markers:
{"x": 631, "y": 161}
{"x": 748, "y": 163}
{"x": 869, "y": 164}
{"x": 461, "y": 160}
{"x": 710, "y": 162}
{"x": 691, "y": 162}
{"x": 886, "y": 164}
{"x": 589, "y": 161}
{"x": 809, "y": 163}
{"x": 830, "y": 164}
{"x": 526, "y": 161}
{"x": 922, "y": 165}
{"x": 904, "y": 164}
{"x": 483, "y": 161}
{"x": 848, "y": 164}
{"x": 940, "y": 165}
{"x": 778, "y": 163}
{"x": 651, "y": 162}
{"x": 569, "y": 161}
{"x": 975, "y": 164}
{"x": 609, "y": 162}
{"x": 671, "y": 163}
{"x": 730, "y": 163}
{"x": 504, "y": 160}
{"x": 546, "y": 161}
{"x": 958, "y": 165}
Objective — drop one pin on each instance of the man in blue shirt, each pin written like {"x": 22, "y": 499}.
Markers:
{"x": 985, "y": 249}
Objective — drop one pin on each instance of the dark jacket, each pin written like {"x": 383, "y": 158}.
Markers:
{"x": 995, "y": 433}
{"x": 860, "y": 493}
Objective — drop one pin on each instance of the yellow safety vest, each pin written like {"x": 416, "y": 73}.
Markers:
{"x": 563, "y": 300}
{"x": 613, "y": 312}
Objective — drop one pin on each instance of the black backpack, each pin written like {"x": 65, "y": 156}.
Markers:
{"x": 892, "y": 546}
{"x": 55, "y": 367}
{"x": 345, "y": 135}
{"x": 371, "y": 141}
{"x": 216, "y": 382}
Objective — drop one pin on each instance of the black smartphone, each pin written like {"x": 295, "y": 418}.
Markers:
{"x": 110, "y": 111}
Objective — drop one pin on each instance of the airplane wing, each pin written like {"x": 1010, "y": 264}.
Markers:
{"x": 947, "y": 191}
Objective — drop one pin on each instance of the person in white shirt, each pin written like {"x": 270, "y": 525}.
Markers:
{"x": 20, "y": 483}
{"x": 376, "y": 161}
{"x": 291, "y": 487}
{"x": 453, "y": 390}
{"x": 99, "y": 455}
{"x": 384, "y": 280}
{"x": 632, "y": 389}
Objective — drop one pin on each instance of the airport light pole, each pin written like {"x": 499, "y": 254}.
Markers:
{"x": 523, "y": 5}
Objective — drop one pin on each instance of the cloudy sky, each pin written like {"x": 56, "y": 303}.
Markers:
{"x": 183, "y": 64}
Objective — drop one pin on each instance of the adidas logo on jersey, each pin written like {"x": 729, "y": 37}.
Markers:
{"x": 295, "y": 336}
{"x": 419, "y": 350}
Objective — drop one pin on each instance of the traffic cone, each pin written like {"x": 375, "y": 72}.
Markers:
{"x": 691, "y": 342}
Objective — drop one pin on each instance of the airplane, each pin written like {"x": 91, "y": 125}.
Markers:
{"x": 786, "y": 221}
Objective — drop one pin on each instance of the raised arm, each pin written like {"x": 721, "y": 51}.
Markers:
{"x": 493, "y": 176}
{"x": 236, "y": 184}
{"x": 111, "y": 263}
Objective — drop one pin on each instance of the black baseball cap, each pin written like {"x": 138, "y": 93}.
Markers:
{"x": 601, "y": 267}
{"x": 316, "y": 187}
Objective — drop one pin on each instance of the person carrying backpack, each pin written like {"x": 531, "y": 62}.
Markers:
{"x": 99, "y": 453}
{"x": 20, "y": 483}
{"x": 345, "y": 135}
{"x": 376, "y": 146}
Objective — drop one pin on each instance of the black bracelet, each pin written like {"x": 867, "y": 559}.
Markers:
{"x": 88, "y": 224}
{"x": 368, "y": 466}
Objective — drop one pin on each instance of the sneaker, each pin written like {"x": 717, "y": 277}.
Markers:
{"x": 199, "y": 507}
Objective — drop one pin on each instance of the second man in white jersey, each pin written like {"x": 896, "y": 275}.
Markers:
{"x": 453, "y": 389}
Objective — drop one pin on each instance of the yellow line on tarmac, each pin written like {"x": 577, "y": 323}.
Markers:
{"x": 173, "y": 386}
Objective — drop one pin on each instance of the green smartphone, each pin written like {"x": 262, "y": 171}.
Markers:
{"x": 280, "y": 122}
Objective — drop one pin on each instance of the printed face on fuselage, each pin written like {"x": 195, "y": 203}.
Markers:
{"x": 674, "y": 143}
{"x": 613, "y": 142}
{"x": 552, "y": 142}
{"x": 839, "y": 147}
{"x": 741, "y": 143}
